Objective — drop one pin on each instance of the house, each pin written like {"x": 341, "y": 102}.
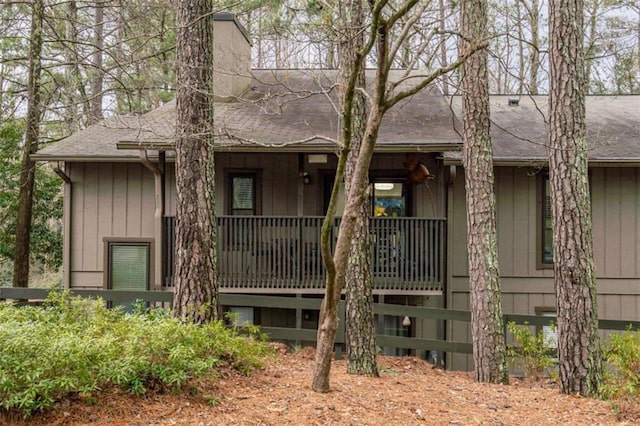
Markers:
{"x": 523, "y": 208}
{"x": 275, "y": 162}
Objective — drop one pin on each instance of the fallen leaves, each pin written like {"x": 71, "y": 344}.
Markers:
{"x": 409, "y": 392}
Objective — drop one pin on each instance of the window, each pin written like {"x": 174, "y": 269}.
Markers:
{"x": 128, "y": 265}
{"x": 242, "y": 194}
{"x": 544, "y": 240}
{"x": 546, "y": 243}
{"x": 544, "y": 229}
{"x": 241, "y": 315}
{"x": 549, "y": 333}
{"x": 242, "y": 199}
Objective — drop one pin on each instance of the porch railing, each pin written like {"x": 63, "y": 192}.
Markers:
{"x": 282, "y": 254}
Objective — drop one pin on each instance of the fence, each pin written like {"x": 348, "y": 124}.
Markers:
{"x": 164, "y": 299}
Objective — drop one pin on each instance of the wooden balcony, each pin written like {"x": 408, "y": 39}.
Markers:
{"x": 265, "y": 254}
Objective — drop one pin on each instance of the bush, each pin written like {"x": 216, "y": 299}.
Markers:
{"x": 622, "y": 376}
{"x": 78, "y": 346}
{"x": 533, "y": 352}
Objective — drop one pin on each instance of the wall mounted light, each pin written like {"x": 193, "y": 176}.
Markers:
{"x": 406, "y": 321}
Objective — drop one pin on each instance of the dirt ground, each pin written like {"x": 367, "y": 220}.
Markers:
{"x": 409, "y": 392}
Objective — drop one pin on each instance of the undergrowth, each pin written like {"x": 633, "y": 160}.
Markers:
{"x": 74, "y": 346}
{"x": 621, "y": 380}
{"x": 621, "y": 383}
{"x": 534, "y": 353}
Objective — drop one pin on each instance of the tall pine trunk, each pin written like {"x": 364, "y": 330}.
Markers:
{"x": 28, "y": 167}
{"x": 489, "y": 352}
{"x": 579, "y": 355}
{"x": 196, "y": 286}
{"x": 359, "y": 323}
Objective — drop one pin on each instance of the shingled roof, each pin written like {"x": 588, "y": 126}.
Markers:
{"x": 296, "y": 110}
{"x": 519, "y": 132}
{"x": 285, "y": 110}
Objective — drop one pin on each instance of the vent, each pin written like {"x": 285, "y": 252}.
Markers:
{"x": 513, "y": 102}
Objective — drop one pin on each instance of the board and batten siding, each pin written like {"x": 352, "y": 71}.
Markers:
{"x": 615, "y": 195}
{"x": 108, "y": 200}
{"x": 279, "y": 182}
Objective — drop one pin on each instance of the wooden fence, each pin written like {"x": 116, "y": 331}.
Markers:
{"x": 164, "y": 299}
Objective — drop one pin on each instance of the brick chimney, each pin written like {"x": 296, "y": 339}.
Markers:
{"x": 232, "y": 57}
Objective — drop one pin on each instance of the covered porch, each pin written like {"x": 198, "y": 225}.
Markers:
{"x": 280, "y": 254}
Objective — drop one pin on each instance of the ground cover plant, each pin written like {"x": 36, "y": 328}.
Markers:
{"x": 74, "y": 346}
{"x": 534, "y": 354}
{"x": 622, "y": 375}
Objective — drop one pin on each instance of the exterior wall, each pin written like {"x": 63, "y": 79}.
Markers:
{"x": 107, "y": 200}
{"x": 116, "y": 200}
{"x": 280, "y": 182}
{"x": 616, "y": 232}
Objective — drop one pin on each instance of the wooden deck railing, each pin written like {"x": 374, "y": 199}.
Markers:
{"x": 268, "y": 254}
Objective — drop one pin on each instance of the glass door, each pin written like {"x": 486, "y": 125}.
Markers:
{"x": 389, "y": 199}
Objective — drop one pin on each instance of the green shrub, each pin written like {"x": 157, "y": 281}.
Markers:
{"x": 533, "y": 352}
{"x": 73, "y": 345}
{"x": 622, "y": 375}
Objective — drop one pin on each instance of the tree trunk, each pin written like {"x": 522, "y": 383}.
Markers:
{"x": 359, "y": 324}
{"x": 72, "y": 71}
{"x": 442, "y": 6}
{"x": 336, "y": 276}
{"x": 592, "y": 39}
{"x": 521, "y": 56}
{"x": 97, "y": 74}
{"x": 579, "y": 355}
{"x": 32, "y": 133}
{"x": 489, "y": 352}
{"x": 196, "y": 287}
{"x": 534, "y": 49}
{"x": 380, "y": 102}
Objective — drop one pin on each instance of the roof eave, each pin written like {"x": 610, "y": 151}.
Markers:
{"x": 86, "y": 158}
{"x": 309, "y": 147}
{"x": 542, "y": 162}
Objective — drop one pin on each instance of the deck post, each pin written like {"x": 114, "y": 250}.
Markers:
{"x": 298, "y": 318}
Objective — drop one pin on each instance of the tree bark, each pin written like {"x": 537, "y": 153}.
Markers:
{"x": 336, "y": 266}
{"x": 336, "y": 281}
{"x": 97, "y": 74}
{"x": 32, "y": 134}
{"x": 359, "y": 324}
{"x": 196, "y": 288}
{"x": 489, "y": 351}
{"x": 442, "y": 26}
{"x": 380, "y": 101}
{"x": 534, "y": 49}
{"x": 579, "y": 355}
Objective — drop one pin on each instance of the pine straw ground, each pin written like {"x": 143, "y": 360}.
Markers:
{"x": 409, "y": 392}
